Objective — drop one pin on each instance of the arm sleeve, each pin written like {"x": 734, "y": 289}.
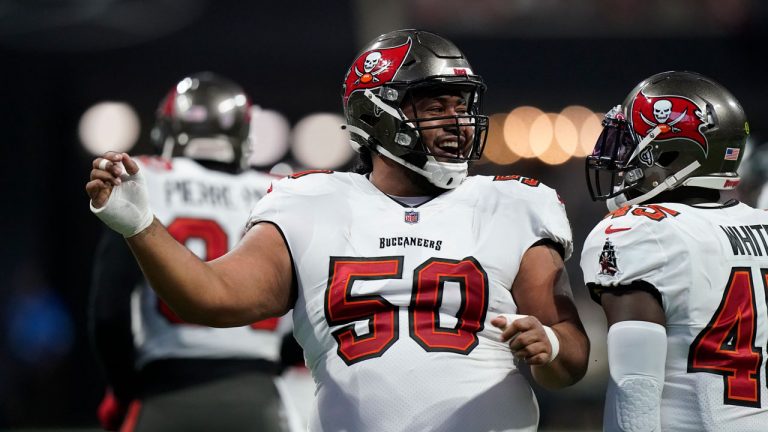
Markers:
{"x": 115, "y": 275}
{"x": 637, "y": 352}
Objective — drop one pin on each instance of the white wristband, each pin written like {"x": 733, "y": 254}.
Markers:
{"x": 554, "y": 342}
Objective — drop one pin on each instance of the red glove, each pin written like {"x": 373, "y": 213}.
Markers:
{"x": 111, "y": 411}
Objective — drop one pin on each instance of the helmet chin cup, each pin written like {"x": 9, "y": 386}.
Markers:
{"x": 616, "y": 202}
{"x": 445, "y": 175}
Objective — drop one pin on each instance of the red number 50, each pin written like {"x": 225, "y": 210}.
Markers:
{"x": 342, "y": 308}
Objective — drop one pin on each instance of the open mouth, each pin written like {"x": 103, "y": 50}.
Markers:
{"x": 450, "y": 147}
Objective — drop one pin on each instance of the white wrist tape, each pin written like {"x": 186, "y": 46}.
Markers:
{"x": 127, "y": 209}
{"x": 554, "y": 342}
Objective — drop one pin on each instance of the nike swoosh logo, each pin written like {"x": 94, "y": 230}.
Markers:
{"x": 610, "y": 230}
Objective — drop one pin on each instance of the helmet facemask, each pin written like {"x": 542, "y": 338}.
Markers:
{"x": 611, "y": 171}
{"x": 468, "y": 126}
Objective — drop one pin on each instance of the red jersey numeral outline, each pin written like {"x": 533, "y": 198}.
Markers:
{"x": 651, "y": 211}
{"x": 216, "y": 244}
{"x": 735, "y": 319}
{"x": 342, "y": 308}
{"x": 301, "y": 174}
{"x": 429, "y": 281}
{"x": 517, "y": 177}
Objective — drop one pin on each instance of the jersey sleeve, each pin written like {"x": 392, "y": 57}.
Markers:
{"x": 271, "y": 207}
{"x": 554, "y": 224}
{"x": 288, "y": 205}
{"x": 626, "y": 254}
{"x": 540, "y": 207}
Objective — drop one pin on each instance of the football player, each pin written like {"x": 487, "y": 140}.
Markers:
{"x": 180, "y": 375}
{"x": 415, "y": 289}
{"x": 680, "y": 273}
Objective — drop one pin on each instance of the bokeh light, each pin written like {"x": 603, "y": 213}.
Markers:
{"x": 541, "y": 133}
{"x": 589, "y": 132}
{"x": 496, "y": 149}
{"x": 109, "y": 126}
{"x": 566, "y": 134}
{"x": 517, "y": 130}
{"x": 269, "y": 137}
{"x": 319, "y": 142}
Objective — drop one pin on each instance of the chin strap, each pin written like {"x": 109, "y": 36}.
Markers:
{"x": 444, "y": 175}
{"x": 648, "y": 139}
{"x": 671, "y": 181}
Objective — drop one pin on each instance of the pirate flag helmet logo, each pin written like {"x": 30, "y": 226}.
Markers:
{"x": 374, "y": 68}
{"x": 677, "y": 117}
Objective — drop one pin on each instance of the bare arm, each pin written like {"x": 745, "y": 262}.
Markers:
{"x": 250, "y": 283}
{"x": 632, "y": 306}
{"x": 534, "y": 292}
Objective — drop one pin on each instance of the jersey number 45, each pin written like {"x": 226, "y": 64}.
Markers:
{"x": 726, "y": 346}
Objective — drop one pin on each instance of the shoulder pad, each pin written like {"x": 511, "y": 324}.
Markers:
{"x": 308, "y": 172}
{"x": 528, "y": 181}
{"x": 313, "y": 182}
{"x": 654, "y": 212}
{"x": 521, "y": 187}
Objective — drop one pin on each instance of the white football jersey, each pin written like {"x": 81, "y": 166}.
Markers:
{"x": 708, "y": 265}
{"x": 206, "y": 211}
{"x": 395, "y": 302}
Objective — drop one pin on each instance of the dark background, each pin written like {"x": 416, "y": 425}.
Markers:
{"x": 57, "y": 58}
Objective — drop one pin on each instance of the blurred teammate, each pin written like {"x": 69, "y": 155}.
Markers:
{"x": 183, "y": 376}
{"x": 401, "y": 279}
{"x": 682, "y": 276}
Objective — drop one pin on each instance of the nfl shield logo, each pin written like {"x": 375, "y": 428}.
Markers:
{"x": 411, "y": 216}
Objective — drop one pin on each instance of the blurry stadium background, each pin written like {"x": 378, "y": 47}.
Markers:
{"x": 81, "y": 76}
